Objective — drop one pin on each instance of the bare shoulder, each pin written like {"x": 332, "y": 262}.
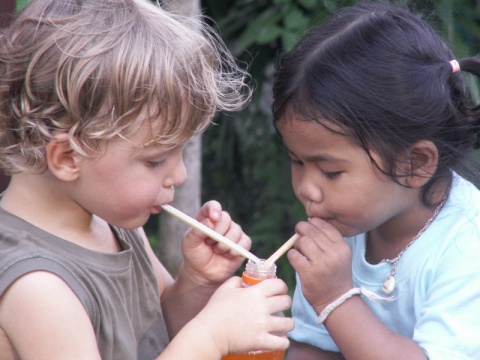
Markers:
{"x": 42, "y": 318}
{"x": 164, "y": 279}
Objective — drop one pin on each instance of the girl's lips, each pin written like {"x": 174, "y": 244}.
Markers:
{"x": 156, "y": 209}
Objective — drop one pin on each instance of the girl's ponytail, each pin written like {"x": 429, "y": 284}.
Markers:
{"x": 472, "y": 66}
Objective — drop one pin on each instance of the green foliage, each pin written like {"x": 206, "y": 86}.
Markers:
{"x": 244, "y": 164}
{"x": 21, "y": 4}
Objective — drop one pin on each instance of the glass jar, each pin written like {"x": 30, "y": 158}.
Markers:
{"x": 253, "y": 274}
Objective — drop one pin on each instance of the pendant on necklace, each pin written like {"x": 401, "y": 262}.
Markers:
{"x": 389, "y": 285}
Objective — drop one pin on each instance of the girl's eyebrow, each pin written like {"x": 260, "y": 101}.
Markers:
{"x": 319, "y": 157}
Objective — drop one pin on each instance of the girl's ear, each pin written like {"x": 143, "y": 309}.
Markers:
{"x": 422, "y": 163}
{"x": 62, "y": 160}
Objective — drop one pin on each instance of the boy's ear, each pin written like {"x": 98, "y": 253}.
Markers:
{"x": 62, "y": 159}
{"x": 421, "y": 163}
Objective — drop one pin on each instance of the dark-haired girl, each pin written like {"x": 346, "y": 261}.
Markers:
{"x": 373, "y": 110}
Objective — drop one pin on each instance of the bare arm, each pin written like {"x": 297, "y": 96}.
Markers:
{"x": 360, "y": 335}
{"x": 207, "y": 264}
{"x": 251, "y": 310}
{"x": 181, "y": 299}
{"x": 321, "y": 256}
{"x": 44, "y": 320}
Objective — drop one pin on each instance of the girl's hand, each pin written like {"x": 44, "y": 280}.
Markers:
{"x": 323, "y": 261}
{"x": 206, "y": 260}
{"x": 239, "y": 319}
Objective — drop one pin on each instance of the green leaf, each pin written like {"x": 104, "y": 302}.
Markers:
{"x": 21, "y": 4}
{"x": 259, "y": 26}
{"x": 309, "y": 4}
{"x": 268, "y": 34}
{"x": 295, "y": 20}
{"x": 289, "y": 39}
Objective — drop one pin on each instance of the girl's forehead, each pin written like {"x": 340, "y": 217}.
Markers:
{"x": 311, "y": 139}
{"x": 308, "y": 128}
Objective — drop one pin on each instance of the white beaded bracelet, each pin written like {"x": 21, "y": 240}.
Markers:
{"x": 355, "y": 291}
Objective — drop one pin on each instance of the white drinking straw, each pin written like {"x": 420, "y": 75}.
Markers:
{"x": 282, "y": 250}
{"x": 211, "y": 233}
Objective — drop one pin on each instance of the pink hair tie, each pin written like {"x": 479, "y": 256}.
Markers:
{"x": 455, "y": 66}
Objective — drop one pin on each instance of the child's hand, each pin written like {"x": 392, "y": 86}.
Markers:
{"x": 241, "y": 319}
{"x": 323, "y": 262}
{"x": 206, "y": 260}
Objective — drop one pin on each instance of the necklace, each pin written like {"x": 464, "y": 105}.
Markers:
{"x": 389, "y": 284}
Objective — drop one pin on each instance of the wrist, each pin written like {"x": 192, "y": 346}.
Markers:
{"x": 201, "y": 343}
{"x": 336, "y": 303}
{"x": 210, "y": 341}
{"x": 191, "y": 279}
{"x": 343, "y": 298}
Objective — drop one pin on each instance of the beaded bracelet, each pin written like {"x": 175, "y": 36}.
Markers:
{"x": 355, "y": 291}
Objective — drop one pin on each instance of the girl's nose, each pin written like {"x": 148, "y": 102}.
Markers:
{"x": 309, "y": 191}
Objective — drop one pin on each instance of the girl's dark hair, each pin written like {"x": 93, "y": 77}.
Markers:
{"x": 383, "y": 75}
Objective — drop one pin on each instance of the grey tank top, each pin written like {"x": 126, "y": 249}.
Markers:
{"x": 119, "y": 291}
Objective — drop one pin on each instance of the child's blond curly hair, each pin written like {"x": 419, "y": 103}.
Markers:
{"x": 90, "y": 68}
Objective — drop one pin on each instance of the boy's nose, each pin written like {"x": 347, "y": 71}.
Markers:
{"x": 180, "y": 173}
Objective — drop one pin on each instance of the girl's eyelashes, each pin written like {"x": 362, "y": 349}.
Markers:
{"x": 331, "y": 175}
{"x": 295, "y": 161}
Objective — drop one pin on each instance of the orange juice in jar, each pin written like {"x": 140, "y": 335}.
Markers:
{"x": 257, "y": 355}
{"x": 253, "y": 274}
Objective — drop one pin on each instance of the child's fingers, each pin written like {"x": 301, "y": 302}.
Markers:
{"x": 330, "y": 232}
{"x": 233, "y": 282}
{"x": 309, "y": 248}
{"x": 272, "y": 287}
{"x": 210, "y": 210}
{"x": 281, "y": 325}
{"x": 279, "y": 303}
{"x": 276, "y": 342}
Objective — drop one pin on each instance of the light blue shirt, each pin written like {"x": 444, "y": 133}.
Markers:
{"x": 437, "y": 294}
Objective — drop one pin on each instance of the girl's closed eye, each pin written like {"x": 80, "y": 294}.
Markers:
{"x": 295, "y": 161}
{"x": 331, "y": 174}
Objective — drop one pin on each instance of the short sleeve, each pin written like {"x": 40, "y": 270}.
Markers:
{"x": 447, "y": 326}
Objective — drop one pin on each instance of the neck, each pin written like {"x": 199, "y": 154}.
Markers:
{"x": 391, "y": 238}
{"x": 45, "y": 203}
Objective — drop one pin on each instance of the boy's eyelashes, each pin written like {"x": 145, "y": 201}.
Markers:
{"x": 156, "y": 164}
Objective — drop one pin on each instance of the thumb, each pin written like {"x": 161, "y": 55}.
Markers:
{"x": 234, "y": 282}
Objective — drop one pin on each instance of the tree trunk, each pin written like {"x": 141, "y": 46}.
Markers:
{"x": 187, "y": 196}
{"x": 7, "y": 7}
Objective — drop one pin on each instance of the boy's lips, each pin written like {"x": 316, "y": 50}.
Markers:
{"x": 156, "y": 209}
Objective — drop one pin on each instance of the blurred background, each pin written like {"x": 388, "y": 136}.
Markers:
{"x": 239, "y": 161}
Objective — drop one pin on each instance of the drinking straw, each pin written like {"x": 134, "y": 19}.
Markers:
{"x": 282, "y": 250}
{"x": 211, "y": 233}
